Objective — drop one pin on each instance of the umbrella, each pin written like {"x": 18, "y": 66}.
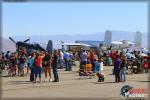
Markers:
{"x": 129, "y": 55}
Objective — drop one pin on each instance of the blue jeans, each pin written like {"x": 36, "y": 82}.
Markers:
{"x": 32, "y": 69}
{"x": 70, "y": 66}
{"x": 55, "y": 72}
{"x": 117, "y": 75}
{"x": 22, "y": 66}
{"x": 38, "y": 71}
{"x": 32, "y": 73}
{"x": 67, "y": 64}
{"x": 123, "y": 74}
{"x": 61, "y": 63}
{"x": 93, "y": 65}
{"x": 96, "y": 66}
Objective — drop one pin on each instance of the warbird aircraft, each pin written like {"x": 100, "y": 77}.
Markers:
{"x": 28, "y": 46}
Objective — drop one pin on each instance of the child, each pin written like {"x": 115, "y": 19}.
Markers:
{"x": 100, "y": 77}
{"x": 97, "y": 66}
{"x": 31, "y": 66}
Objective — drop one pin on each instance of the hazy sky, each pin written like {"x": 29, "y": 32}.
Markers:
{"x": 72, "y": 18}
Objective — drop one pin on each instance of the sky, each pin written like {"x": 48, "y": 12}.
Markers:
{"x": 51, "y": 18}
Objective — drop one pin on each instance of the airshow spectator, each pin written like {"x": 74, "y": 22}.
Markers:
{"x": 31, "y": 66}
{"x": 66, "y": 59}
{"x": 2, "y": 64}
{"x": 22, "y": 62}
{"x": 83, "y": 57}
{"x": 91, "y": 57}
{"x": 54, "y": 66}
{"x": 123, "y": 69}
{"x": 47, "y": 66}
{"x": 38, "y": 66}
{"x": 7, "y": 56}
{"x": 71, "y": 57}
{"x": 63, "y": 49}
{"x": 60, "y": 58}
{"x": 145, "y": 66}
{"x": 117, "y": 64}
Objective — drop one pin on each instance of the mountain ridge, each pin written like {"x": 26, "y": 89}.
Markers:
{"x": 99, "y": 36}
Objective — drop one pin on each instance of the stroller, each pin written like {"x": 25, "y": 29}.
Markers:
{"x": 87, "y": 71}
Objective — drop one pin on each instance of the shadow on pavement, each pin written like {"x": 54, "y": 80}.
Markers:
{"x": 103, "y": 82}
{"x": 111, "y": 74}
{"x": 143, "y": 81}
{"x": 5, "y": 76}
{"x": 20, "y": 82}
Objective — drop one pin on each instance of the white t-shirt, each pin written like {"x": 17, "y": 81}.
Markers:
{"x": 61, "y": 55}
{"x": 101, "y": 66}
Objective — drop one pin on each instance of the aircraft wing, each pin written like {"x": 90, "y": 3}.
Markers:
{"x": 76, "y": 44}
{"x": 116, "y": 42}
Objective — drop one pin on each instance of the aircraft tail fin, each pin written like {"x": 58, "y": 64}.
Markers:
{"x": 50, "y": 46}
{"x": 108, "y": 37}
{"x": 138, "y": 39}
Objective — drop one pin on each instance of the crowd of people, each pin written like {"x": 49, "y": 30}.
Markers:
{"x": 118, "y": 59}
{"x": 35, "y": 63}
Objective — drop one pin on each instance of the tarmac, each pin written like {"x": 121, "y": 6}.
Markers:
{"x": 71, "y": 86}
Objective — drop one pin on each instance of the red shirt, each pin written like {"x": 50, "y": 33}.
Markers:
{"x": 111, "y": 55}
{"x": 145, "y": 64}
{"x": 91, "y": 56}
{"x": 146, "y": 57}
{"x": 38, "y": 61}
{"x": 23, "y": 51}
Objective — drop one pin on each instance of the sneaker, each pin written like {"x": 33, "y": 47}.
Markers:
{"x": 50, "y": 80}
{"x": 56, "y": 81}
